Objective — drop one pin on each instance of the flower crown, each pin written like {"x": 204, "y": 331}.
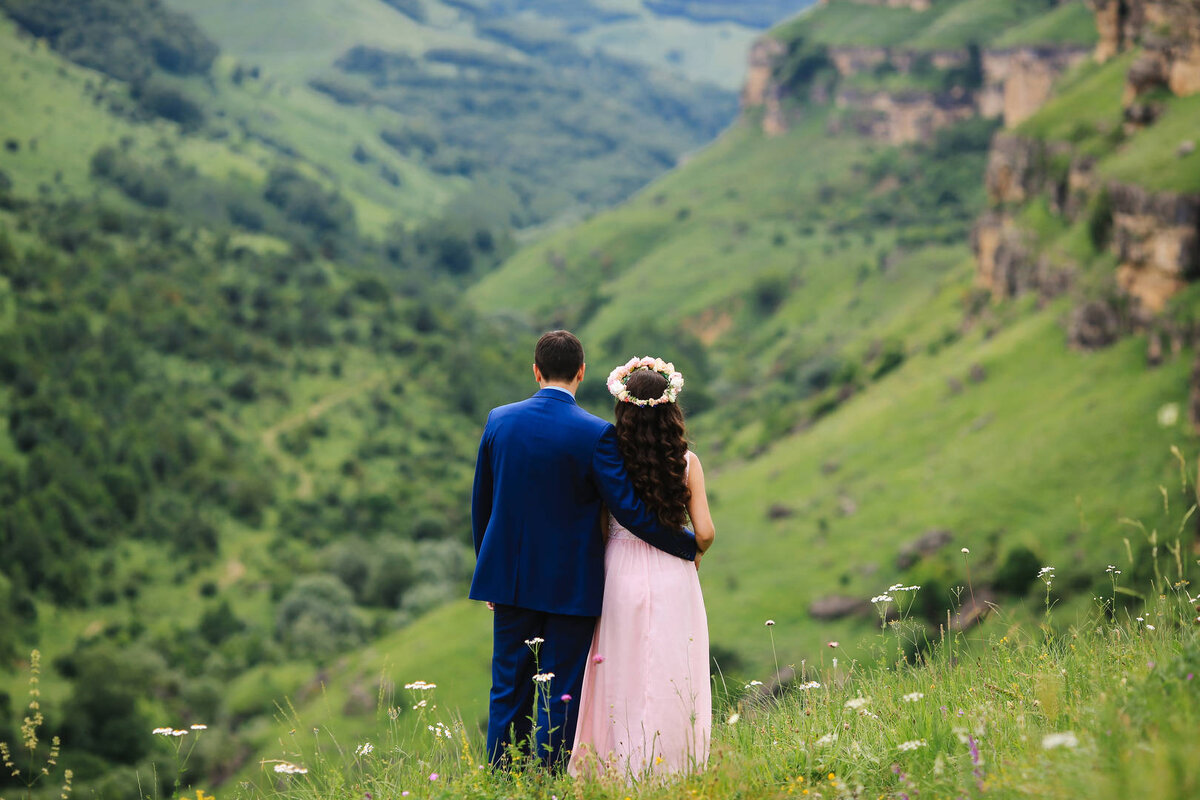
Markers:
{"x": 620, "y": 376}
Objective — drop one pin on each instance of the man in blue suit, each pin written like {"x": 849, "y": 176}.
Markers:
{"x": 546, "y": 469}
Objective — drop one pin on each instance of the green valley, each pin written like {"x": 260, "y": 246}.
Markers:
{"x": 264, "y": 268}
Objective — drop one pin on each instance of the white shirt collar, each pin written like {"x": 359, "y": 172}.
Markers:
{"x": 560, "y": 389}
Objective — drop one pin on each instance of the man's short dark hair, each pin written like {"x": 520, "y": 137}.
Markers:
{"x": 558, "y": 356}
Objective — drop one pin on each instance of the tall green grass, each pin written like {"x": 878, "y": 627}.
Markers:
{"x": 1102, "y": 707}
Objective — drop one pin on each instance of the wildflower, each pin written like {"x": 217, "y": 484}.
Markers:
{"x": 364, "y": 749}
{"x": 199, "y": 727}
{"x": 1046, "y": 575}
{"x": 566, "y": 698}
{"x": 1168, "y": 415}
{"x": 433, "y": 776}
{"x": 421, "y": 704}
{"x": 753, "y": 683}
{"x": 881, "y": 598}
{"x": 973, "y": 744}
{"x": 179, "y": 733}
{"x": 857, "y": 702}
{"x": 534, "y": 641}
{"x": 597, "y": 659}
{"x": 834, "y": 644}
{"x": 810, "y": 685}
{"x": 912, "y": 745}
{"x": 828, "y": 738}
{"x": 440, "y": 731}
{"x": 1064, "y": 739}
{"x": 912, "y": 697}
{"x": 543, "y": 677}
{"x": 896, "y": 587}
{"x": 769, "y": 623}
{"x": 284, "y": 767}
{"x": 1150, "y": 627}
{"x": 966, "y": 552}
{"x": 734, "y": 717}
{"x": 1111, "y": 569}
{"x": 162, "y": 731}
{"x": 420, "y": 686}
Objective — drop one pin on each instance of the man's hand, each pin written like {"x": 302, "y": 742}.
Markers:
{"x": 491, "y": 606}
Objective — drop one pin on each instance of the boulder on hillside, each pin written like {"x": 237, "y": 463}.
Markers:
{"x": 1093, "y": 325}
{"x": 974, "y": 609}
{"x": 926, "y": 545}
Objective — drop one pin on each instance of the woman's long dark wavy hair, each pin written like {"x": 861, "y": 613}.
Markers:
{"x": 653, "y": 442}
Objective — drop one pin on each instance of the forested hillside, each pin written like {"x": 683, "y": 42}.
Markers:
{"x": 236, "y": 434}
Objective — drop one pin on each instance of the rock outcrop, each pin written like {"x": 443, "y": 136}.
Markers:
{"x": 1156, "y": 236}
{"x": 761, "y": 89}
{"x": 1169, "y": 34}
{"x": 852, "y": 61}
{"x": 902, "y": 117}
{"x": 1008, "y": 266}
{"x": 1019, "y": 81}
{"x": 1020, "y": 168}
{"x": 927, "y": 544}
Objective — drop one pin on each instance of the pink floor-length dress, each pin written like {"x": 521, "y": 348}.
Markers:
{"x": 646, "y": 704}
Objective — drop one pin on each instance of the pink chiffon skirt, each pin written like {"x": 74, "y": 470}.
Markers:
{"x": 646, "y": 705}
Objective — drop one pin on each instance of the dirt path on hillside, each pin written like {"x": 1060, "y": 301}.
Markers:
{"x": 270, "y": 437}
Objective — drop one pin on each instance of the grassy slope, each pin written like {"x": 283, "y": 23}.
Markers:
{"x": 1070, "y": 23}
{"x": 1087, "y": 112}
{"x": 60, "y": 112}
{"x": 1102, "y": 711}
{"x": 949, "y": 24}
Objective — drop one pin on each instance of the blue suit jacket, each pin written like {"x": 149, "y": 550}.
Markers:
{"x": 545, "y": 469}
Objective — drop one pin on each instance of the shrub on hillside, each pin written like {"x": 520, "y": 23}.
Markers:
{"x": 1018, "y": 572}
{"x": 169, "y": 102}
{"x": 127, "y": 39}
{"x": 306, "y": 202}
{"x": 144, "y": 185}
{"x": 316, "y": 617}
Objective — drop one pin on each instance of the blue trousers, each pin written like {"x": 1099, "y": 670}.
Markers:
{"x": 517, "y": 702}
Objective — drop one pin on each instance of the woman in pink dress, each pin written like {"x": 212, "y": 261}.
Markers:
{"x": 646, "y": 705}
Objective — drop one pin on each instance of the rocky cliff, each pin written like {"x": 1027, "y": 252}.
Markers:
{"x": 1156, "y": 236}
{"x": 1010, "y": 83}
{"x": 1019, "y": 81}
{"x": 1153, "y": 235}
{"x": 898, "y": 118}
{"x": 761, "y": 89}
{"x": 1168, "y": 32}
